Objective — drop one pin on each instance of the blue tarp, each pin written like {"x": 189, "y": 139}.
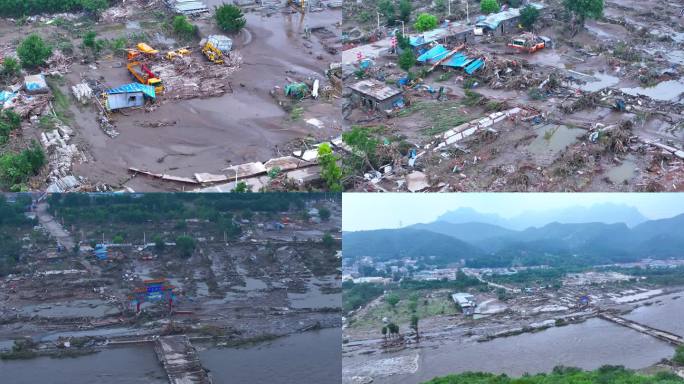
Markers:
{"x": 433, "y": 55}
{"x": 4, "y": 96}
{"x": 458, "y": 60}
{"x": 147, "y": 90}
{"x": 474, "y": 66}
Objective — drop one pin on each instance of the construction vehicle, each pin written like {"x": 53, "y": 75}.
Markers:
{"x": 142, "y": 49}
{"x": 180, "y": 52}
{"x": 529, "y": 43}
{"x": 143, "y": 74}
{"x": 298, "y": 5}
{"x": 217, "y": 48}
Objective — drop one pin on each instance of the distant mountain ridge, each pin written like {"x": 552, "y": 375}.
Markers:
{"x": 608, "y": 213}
{"x": 486, "y": 244}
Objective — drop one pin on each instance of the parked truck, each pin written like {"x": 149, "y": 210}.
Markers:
{"x": 143, "y": 74}
{"x": 142, "y": 49}
{"x": 529, "y": 43}
{"x": 217, "y": 47}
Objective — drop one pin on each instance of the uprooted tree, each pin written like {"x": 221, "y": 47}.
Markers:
{"x": 330, "y": 171}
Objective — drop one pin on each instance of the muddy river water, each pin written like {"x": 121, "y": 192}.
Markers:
{"x": 587, "y": 345}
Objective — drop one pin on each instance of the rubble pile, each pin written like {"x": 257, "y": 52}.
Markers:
{"x": 61, "y": 157}
{"x": 190, "y": 77}
{"x": 58, "y": 64}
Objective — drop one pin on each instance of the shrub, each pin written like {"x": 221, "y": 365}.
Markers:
{"x": 407, "y": 60}
{"x": 489, "y": 6}
{"x": 330, "y": 171}
{"x": 529, "y": 16}
{"x": 425, "y": 22}
{"x": 33, "y": 51}
{"x": 230, "y": 18}
{"x": 183, "y": 28}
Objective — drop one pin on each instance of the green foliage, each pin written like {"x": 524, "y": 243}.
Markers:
{"x": 489, "y": 6}
{"x": 23, "y": 8}
{"x": 330, "y": 171}
{"x": 185, "y": 245}
{"x": 529, "y": 16}
{"x": 159, "y": 243}
{"x": 584, "y": 9}
{"x": 274, "y": 172}
{"x": 324, "y": 213}
{"x": 328, "y": 241}
{"x": 17, "y": 168}
{"x": 94, "y": 6}
{"x": 183, "y": 28}
{"x": 357, "y": 295}
{"x": 230, "y": 18}
{"x": 405, "y": 10}
{"x": 392, "y": 299}
{"x": 33, "y": 51}
{"x": 364, "y": 147}
{"x": 9, "y": 121}
{"x": 440, "y": 6}
{"x": 242, "y": 187}
{"x": 403, "y": 42}
{"x": 91, "y": 42}
{"x": 118, "y": 239}
{"x": 515, "y": 3}
{"x": 562, "y": 375}
{"x": 425, "y": 22}
{"x": 10, "y": 67}
{"x": 407, "y": 60}
{"x": 386, "y": 9}
{"x": 679, "y": 355}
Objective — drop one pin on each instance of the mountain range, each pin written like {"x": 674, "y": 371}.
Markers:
{"x": 555, "y": 243}
{"x": 608, "y": 213}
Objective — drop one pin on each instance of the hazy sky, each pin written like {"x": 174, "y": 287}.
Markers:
{"x": 363, "y": 211}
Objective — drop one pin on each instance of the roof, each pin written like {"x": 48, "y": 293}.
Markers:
{"x": 492, "y": 21}
{"x": 435, "y": 54}
{"x": 132, "y": 88}
{"x": 439, "y": 33}
{"x": 375, "y": 89}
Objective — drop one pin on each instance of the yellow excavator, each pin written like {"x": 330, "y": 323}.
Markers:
{"x": 298, "y": 5}
{"x": 142, "y": 49}
{"x": 217, "y": 48}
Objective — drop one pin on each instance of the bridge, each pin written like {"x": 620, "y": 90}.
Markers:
{"x": 645, "y": 329}
{"x": 180, "y": 360}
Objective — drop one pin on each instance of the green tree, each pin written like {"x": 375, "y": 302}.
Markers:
{"x": 16, "y": 168}
{"x": 242, "y": 187}
{"x": 324, "y": 213}
{"x": 91, "y": 42}
{"x": 33, "y": 51}
{"x": 384, "y": 332}
{"x": 330, "y": 171}
{"x": 407, "y": 60}
{"x": 679, "y": 355}
{"x": 584, "y": 9}
{"x": 392, "y": 299}
{"x": 440, "y": 6}
{"x": 94, "y": 6}
{"x": 230, "y": 18}
{"x": 364, "y": 148}
{"x": 185, "y": 245}
{"x": 328, "y": 241}
{"x": 405, "y": 10}
{"x": 529, "y": 16}
{"x": 10, "y": 67}
{"x": 118, "y": 239}
{"x": 183, "y": 28}
{"x": 425, "y": 22}
{"x": 159, "y": 243}
{"x": 489, "y": 6}
{"x": 414, "y": 324}
{"x": 403, "y": 42}
{"x": 386, "y": 9}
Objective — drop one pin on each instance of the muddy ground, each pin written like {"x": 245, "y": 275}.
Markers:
{"x": 632, "y": 53}
{"x": 183, "y": 137}
{"x": 283, "y": 281}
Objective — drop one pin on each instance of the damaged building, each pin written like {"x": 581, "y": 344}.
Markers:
{"x": 375, "y": 95}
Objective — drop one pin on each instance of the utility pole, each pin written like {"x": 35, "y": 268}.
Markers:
{"x": 449, "y": 6}
{"x": 378, "y": 13}
{"x": 403, "y": 29}
{"x": 467, "y": 12}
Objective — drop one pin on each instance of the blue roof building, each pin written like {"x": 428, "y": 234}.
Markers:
{"x": 129, "y": 95}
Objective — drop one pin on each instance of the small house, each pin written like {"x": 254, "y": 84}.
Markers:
{"x": 129, "y": 96}
{"x": 375, "y": 95}
{"x": 36, "y": 84}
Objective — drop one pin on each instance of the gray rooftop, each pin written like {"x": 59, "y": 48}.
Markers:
{"x": 375, "y": 89}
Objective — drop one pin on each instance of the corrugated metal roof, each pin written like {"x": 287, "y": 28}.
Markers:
{"x": 492, "y": 21}
{"x": 375, "y": 89}
{"x": 134, "y": 87}
{"x": 435, "y": 54}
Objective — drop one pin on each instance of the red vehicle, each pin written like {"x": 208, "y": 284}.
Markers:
{"x": 529, "y": 43}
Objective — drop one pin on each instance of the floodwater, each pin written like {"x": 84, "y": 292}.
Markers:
{"x": 623, "y": 172}
{"x": 314, "y": 298}
{"x": 552, "y": 139}
{"x": 310, "y": 357}
{"x": 587, "y": 345}
{"x": 665, "y": 313}
{"x": 131, "y": 365}
{"x": 667, "y": 90}
{"x": 602, "y": 81}
{"x": 87, "y": 308}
